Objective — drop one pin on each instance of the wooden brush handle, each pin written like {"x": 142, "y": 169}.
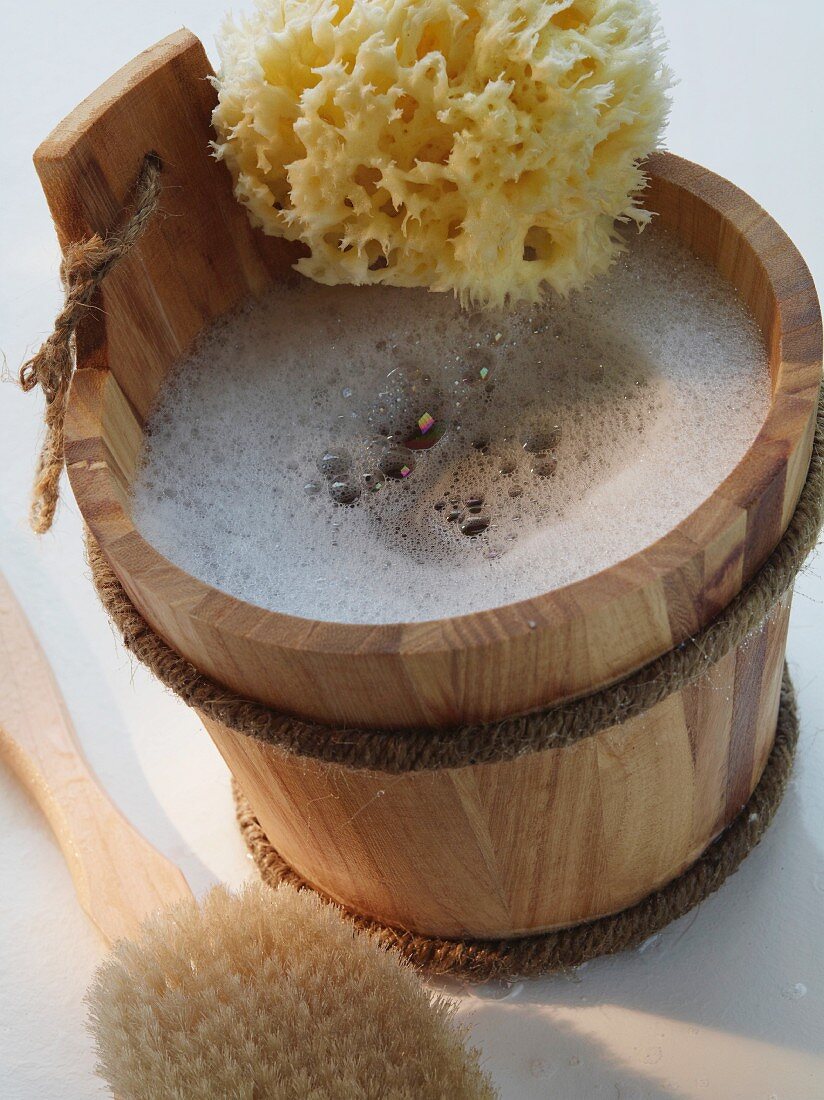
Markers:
{"x": 119, "y": 877}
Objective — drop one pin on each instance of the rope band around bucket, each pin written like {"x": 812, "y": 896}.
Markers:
{"x": 548, "y": 952}
{"x": 557, "y": 726}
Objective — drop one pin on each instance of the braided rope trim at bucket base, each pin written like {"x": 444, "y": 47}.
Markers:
{"x": 398, "y": 751}
{"x": 548, "y": 952}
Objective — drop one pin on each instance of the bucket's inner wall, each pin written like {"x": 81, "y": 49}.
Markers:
{"x": 139, "y": 366}
{"x": 711, "y": 237}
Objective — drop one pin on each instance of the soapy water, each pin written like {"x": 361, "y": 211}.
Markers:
{"x": 373, "y": 454}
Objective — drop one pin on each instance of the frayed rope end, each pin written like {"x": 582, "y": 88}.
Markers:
{"x": 85, "y": 265}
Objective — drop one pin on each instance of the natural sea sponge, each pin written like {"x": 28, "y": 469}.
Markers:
{"x": 481, "y": 146}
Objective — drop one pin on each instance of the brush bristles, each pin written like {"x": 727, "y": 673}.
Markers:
{"x": 271, "y": 993}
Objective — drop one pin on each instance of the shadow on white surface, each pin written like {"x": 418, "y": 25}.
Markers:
{"x": 725, "y": 1003}
{"x": 108, "y": 731}
{"x": 562, "y": 1060}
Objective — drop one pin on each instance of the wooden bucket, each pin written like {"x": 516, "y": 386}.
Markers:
{"x": 551, "y": 838}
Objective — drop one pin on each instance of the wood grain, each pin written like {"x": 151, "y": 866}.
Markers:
{"x": 475, "y": 667}
{"x": 120, "y": 879}
{"x": 550, "y": 839}
{"x": 544, "y": 841}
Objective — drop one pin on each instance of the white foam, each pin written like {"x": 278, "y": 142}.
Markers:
{"x": 655, "y": 376}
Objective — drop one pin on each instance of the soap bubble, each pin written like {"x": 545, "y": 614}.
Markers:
{"x": 344, "y": 492}
{"x": 334, "y": 463}
{"x": 397, "y": 463}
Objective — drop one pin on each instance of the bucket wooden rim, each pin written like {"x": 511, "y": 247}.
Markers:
{"x": 793, "y": 405}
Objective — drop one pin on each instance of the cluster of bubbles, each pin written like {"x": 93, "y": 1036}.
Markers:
{"x": 421, "y": 428}
{"x": 374, "y": 454}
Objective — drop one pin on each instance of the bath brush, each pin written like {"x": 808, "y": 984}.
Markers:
{"x": 263, "y": 993}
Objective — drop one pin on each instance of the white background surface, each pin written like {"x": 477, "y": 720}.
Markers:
{"x": 729, "y": 1002}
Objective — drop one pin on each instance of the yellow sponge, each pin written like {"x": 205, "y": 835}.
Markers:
{"x": 481, "y": 146}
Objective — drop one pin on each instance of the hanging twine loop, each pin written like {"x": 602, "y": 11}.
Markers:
{"x": 84, "y": 268}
